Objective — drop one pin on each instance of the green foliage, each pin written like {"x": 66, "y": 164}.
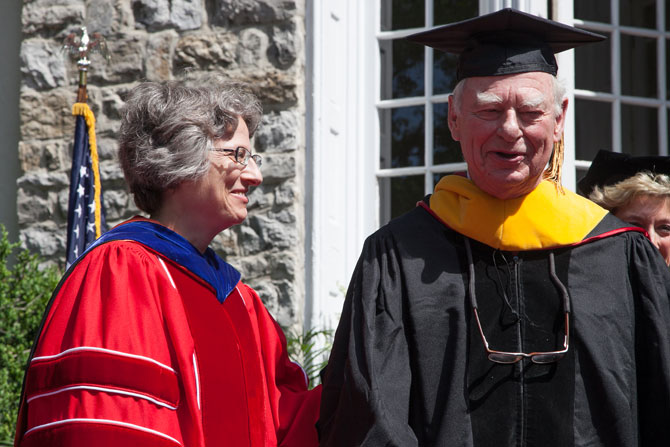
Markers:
{"x": 310, "y": 349}
{"x": 25, "y": 289}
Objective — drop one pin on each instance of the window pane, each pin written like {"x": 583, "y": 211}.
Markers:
{"x": 401, "y": 69}
{"x": 445, "y": 149}
{"x": 444, "y": 72}
{"x": 593, "y": 10}
{"x": 580, "y": 173}
{"x": 592, "y": 67}
{"x": 593, "y": 128}
{"x": 402, "y": 137}
{"x": 399, "y": 195}
{"x": 447, "y": 11}
{"x": 667, "y": 67}
{"x": 401, "y": 14}
{"x": 638, "y": 66}
{"x": 444, "y": 65}
{"x": 640, "y": 13}
{"x": 639, "y": 131}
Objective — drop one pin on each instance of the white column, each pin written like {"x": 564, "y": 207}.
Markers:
{"x": 341, "y": 189}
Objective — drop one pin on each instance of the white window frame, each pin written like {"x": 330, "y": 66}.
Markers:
{"x": 616, "y": 97}
{"x": 563, "y": 12}
{"x": 428, "y": 169}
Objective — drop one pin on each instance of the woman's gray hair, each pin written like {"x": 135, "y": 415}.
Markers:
{"x": 558, "y": 89}
{"x": 643, "y": 183}
{"x": 168, "y": 128}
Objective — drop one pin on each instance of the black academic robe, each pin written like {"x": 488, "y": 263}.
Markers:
{"x": 408, "y": 365}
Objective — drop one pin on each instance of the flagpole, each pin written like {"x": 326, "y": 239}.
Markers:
{"x": 86, "y": 220}
{"x": 82, "y": 65}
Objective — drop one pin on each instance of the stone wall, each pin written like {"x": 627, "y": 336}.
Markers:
{"x": 257, "y": 41}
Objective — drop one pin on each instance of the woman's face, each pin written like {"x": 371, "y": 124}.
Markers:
{"x": 652, "y": 214}
{"x": 218, "y": 200}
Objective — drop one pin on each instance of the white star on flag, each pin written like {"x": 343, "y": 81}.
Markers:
{"x": 86, "y": 214}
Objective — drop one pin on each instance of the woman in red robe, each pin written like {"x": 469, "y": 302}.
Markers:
{"x": 150, "y": 337}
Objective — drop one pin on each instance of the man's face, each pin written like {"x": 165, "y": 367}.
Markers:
{"x": 507, "y": 127}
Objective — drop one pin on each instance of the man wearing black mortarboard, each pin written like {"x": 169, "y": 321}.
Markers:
{"x": 503, "y": 310}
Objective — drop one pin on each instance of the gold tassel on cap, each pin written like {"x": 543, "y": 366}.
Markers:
{"x": 554, "y": 171}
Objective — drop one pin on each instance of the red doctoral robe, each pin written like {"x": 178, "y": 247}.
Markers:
{"x": 143, "y": 343}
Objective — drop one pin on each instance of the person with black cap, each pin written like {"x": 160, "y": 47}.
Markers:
{"x": 503, "y": 310}
{"x": 634, "y": 189}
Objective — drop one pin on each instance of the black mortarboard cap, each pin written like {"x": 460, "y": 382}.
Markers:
{"x": 609, "y": 168}
{"x": 507, "y": 41}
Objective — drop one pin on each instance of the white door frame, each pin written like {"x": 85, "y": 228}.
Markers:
{"x": 341, "y": 145}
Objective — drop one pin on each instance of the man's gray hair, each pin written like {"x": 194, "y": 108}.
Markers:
{"x": 558, "y": 89}
{"x": 168, "y": 128}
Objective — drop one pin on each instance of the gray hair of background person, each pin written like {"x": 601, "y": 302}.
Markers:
{"x": 558, "y": 87}
{"x": 644, "y": 183}
{"x": 168, "y": 128}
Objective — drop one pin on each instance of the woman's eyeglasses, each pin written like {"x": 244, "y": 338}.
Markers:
{"x": 242, "y": 155}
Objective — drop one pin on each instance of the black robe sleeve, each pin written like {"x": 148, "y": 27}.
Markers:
{"x": 366, "y": 392}
{"x": 651, "y": 284}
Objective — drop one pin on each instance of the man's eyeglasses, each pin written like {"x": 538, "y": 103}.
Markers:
{"x": 514, "y": 357}
{"x": 535, "y": 357}
{"x": 242, "y": 155}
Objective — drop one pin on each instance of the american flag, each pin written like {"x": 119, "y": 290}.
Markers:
{"x": 86, "y": 214}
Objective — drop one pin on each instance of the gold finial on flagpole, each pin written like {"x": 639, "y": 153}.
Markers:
{"x": 81, "y": 46}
